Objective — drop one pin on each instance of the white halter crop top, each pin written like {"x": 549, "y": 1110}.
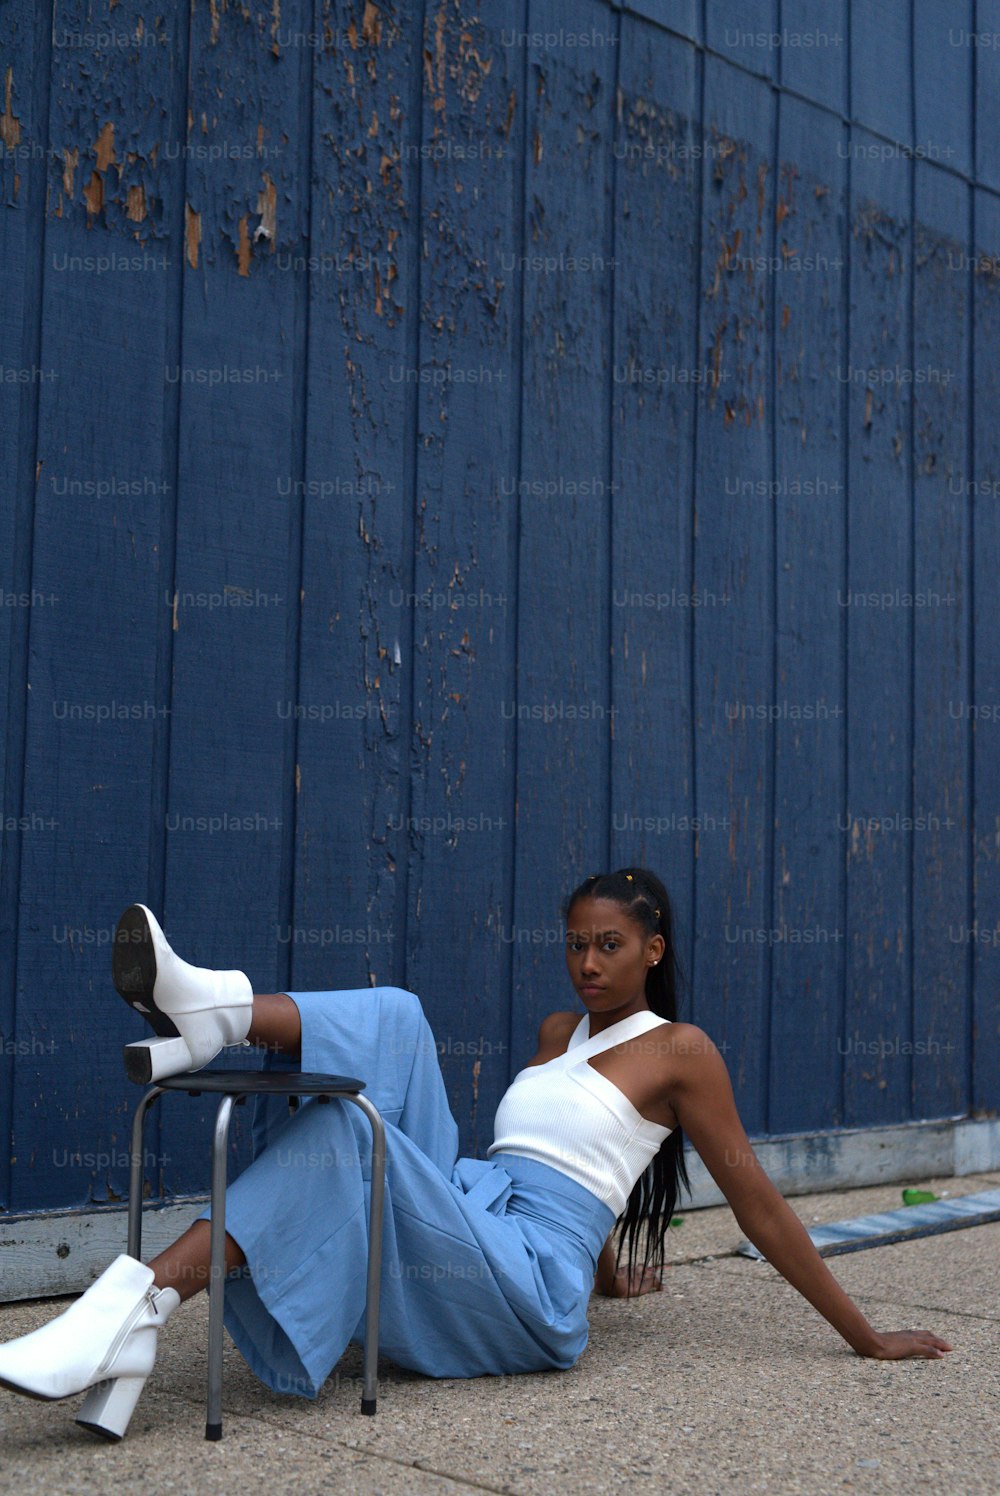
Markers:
{"x": 567, "y": 1114}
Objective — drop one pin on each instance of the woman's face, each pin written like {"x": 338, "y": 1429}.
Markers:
{"x": 608, "y": 955}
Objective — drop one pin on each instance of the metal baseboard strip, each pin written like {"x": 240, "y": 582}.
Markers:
{"x": 905, "y": 1224}
{"x": 853, "y": 1158}
{"x": 62, "y": 1252}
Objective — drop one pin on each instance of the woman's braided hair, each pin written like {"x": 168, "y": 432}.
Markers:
{"x": 644, "y": 899}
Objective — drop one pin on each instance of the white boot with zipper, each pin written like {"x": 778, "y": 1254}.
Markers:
{"x": 105, "y": 1342}
{"x": 196, "y": 1011}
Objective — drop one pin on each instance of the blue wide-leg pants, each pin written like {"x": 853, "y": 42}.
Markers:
{"x": 488, "y": 1264}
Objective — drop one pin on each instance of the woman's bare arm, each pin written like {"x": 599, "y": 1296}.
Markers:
{"x": 702, "y": 1098}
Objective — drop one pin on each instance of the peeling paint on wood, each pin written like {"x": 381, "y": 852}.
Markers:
{"x": 192, "y": 234}
{"x": 326, "y": 229}
{"x": 10, "y": 125}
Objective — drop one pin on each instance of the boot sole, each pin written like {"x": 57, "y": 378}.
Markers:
{"x": 102, "y": 1433}
{"x": 133, "y": 971}
{"x": 150, "y": 1060}
{"x": 138, "y": 1065}
{"x": 26, "y": 1392}
{"x": 93, "y": 1428}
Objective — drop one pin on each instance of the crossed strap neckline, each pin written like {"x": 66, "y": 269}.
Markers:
{"x": 581, "y": 1069}
{"x": 578, "y": 1037}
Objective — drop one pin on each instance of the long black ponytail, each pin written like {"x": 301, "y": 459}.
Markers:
{"x": 655, "y": 1193}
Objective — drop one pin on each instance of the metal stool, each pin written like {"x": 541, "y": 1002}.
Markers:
{"x": 235, "y": 1086}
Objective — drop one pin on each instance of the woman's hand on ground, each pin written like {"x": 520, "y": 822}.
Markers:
{"x": 639, "y": 1280}
{"x": 897, "y": 1345}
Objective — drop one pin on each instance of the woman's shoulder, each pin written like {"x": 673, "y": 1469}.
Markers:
{"x": 689, "y": 1056}
{"x": 556, "y": 1025}
{"x": 554, "y": 1033}
{"x": 688, "y": 1038}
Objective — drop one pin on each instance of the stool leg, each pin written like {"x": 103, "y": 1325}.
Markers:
{"x": 135, "y": 1173}
{"x": 216, "y": 1292}
{"x": 375, "y": 1217}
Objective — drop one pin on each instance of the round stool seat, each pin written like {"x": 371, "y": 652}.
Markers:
{"x": 260, "y": 1082}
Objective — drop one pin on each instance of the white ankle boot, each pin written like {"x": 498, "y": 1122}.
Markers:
{"x": 105, "y": 1341}
{"x": 195, "y": 1011}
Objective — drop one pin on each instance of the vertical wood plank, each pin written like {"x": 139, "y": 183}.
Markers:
{"x": 878, "y": 380}
{"x": 468, "y": 363}
{"x": 97, "y": 710}
{"x": 941, "y": 838}
{"x": 361, "y": 271}
{"x": 981, "y": 40}
{"x": 733, "y": 663}
{"x": 24, "y": 76}
{"x": 655, "y": 370}
{"x": 816, "y": 62}
{"x": 944, "y": 70}
{"x": 881, "y": 76}
{"x": 810, "y": 508}
{"x": 680, "y": 16}
{"x": 234, "y": 606}
{"x": 561, "y": 698}
{"x": 745, "y": 34}
{"x": 982, "y": 931}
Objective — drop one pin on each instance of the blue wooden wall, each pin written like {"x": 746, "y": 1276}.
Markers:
{"x": 452, "y": 448}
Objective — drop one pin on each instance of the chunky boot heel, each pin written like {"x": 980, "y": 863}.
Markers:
{"x": 149, "y": 1060}
{"x": 108, "y": 1407}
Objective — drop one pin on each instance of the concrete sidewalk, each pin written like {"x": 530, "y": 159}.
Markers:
{"x": 726, "y": 1382}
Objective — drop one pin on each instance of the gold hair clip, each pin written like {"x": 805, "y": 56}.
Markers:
{"x": 629, "y": 877}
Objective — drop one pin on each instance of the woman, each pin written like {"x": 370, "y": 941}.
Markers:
{"x": 489, "y": 1264}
